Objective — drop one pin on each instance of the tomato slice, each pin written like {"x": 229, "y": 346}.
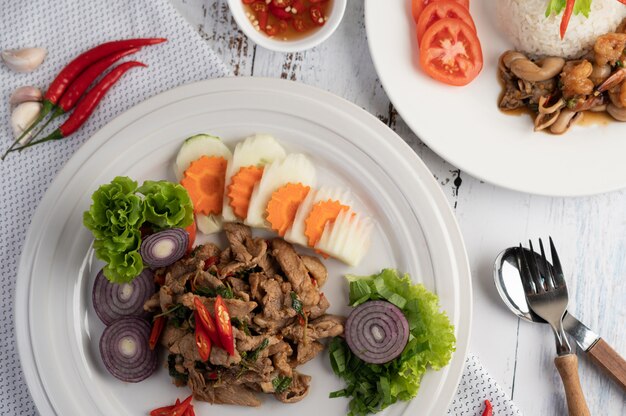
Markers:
{"x": 417, "y": 6}
{"x": 224, "y": 326}
{"x": 440, "y": 10}
{"x": 450, "y": 52}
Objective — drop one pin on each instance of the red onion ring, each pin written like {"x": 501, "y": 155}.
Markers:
{"x": 377, "y": 332}
{"x": 112, "y": 301}
{"x": 125, "y": 352}
{"x": 164, "y": 248}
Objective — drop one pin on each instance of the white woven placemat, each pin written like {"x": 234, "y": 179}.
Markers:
{"x": 66, "y": 28}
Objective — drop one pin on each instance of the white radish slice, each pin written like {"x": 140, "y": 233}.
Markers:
{"x": 347, "y": 238}
{"x": 295, "y": 234}
{"x": 295, "y": 168}
{"x": 208, "y": 224}
{"x": 258, "y": 150}
{"x": 197, "y": 146}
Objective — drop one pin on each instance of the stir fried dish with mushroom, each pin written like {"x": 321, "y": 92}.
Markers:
{"x": 240, "y": 321}
{"x": 560, "y": 91}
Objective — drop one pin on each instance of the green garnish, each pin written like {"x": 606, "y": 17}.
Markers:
{"x": 118, "y": 212}
{"x": 177, "y": 315}
{"x": 166, "y": 205}
{"x": 171, "y": 367}
{"x": 224, "y": 291}
{"x": 373, "y": 387}
{"x": 281, "y": 383}
{"x": 254, "y": 354}
{"x": 296, "y": 304}
{"x": 241, "y": 325}
{"x": 580, "y": 6}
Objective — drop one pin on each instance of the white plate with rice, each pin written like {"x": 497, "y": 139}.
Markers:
{"x": 465, "y": 126}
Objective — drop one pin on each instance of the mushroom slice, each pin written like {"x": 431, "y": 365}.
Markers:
{"x": 617, "y": 113}
{"x": 543, "y": 121}
{"x": 566, "y": 119}
{"x": 542, "y": 70}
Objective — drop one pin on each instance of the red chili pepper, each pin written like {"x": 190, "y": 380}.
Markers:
{"x": 84, "y": 80}
{"x": 85, "y": 59}
{"x": 203, "y": 342}
{"x": 567, "y": 14}
{"x": 488, "y": 409}
{"x": 224, "y": 327}
{"x": 622, "y": 1}
{"x": 204, "y": 318}
{"x": 157, "y": 328}
{"x": 248, "y": 1}
{"x": 177, "y": 409}
{"x": 190, "y": 412}
{"x": 73, "y": 70}
{"x": 85, "y": 107}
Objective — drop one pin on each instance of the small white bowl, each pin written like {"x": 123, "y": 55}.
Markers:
{"x": 334, "y": 18}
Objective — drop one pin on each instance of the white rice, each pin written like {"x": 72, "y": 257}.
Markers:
{"x": 530, "y": 31}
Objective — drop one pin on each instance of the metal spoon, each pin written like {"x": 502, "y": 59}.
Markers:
{"x": 509, "y": 284}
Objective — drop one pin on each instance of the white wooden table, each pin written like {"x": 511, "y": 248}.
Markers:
{"x": 589, "y": 232}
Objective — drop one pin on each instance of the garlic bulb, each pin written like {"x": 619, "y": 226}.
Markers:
{"x": 22, "y": 117}
{"x": 25, "y": 94}
{"x": 25, "y": 59}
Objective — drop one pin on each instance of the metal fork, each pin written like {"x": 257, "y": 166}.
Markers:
{"x": 546, "y": 294}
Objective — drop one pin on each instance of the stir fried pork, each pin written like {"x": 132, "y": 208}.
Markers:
{"x": 276, "y": 307}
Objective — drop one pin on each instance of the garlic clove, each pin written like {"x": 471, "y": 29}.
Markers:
{"x": 22, "y": 117}
{"x": 25, "y": 59}
{"x": 25, "y": 94}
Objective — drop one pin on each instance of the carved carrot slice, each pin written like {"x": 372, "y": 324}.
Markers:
{"x": 321, "y": 213}
{"x": 281, "y": 210}
{"x": 204, "y": 180}
{"x": 240, "y": 189}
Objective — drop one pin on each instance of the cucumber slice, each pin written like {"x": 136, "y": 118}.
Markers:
{"x": 258, "y": 150}
{"x": 347, "y": 238}
{"x": 295, "y": 168}
{"x": 208, "y": 224}
{"x": 295, "y": 234}
{"x": 197, "y": 146}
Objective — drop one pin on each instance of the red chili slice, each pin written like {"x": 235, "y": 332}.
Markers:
{"x": 297, "y": 7}
{"x": 280, "y": 13}
{"x": 224, "y": 327}
{"x": 282, "y": 3}
{"x": 204, "y": 319}
{"x": 178, "y": 409}
{"x": 203, "y": 342}
{"x": 157, "y": 328}
{"x": 298, "y": 24}
{"x": 317, "y": 15}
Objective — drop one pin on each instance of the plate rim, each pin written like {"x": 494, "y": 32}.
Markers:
{"x": 551, "y": 190}
{"x": 23, "y": 317}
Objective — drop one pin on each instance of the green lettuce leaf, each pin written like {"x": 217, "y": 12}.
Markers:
{"x": 121, "y": 267}
{"x": 371, "y": 387}
{"x": 166, "y": 205}
{"x": 115, "y": 209}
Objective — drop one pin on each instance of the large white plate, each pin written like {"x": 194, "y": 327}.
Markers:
{"x": 464, "y": 126}
{"x": 57, "y": 329}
